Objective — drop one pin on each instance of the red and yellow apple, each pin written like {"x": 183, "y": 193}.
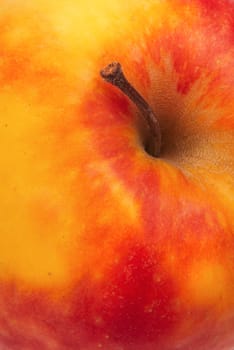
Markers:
{"x": 103, "y": 246}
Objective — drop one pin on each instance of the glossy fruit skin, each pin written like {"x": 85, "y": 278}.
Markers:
{"x": 101, "y": 245}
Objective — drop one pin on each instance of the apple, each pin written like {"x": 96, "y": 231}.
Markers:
{"x": 117, "y": 206}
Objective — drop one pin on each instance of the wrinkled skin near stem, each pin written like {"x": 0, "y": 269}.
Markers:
{"x": 113, "y": 74}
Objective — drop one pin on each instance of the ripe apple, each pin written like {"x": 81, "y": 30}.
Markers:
{"x": 110, "y": 238}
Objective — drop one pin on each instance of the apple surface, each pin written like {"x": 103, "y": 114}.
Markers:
{"x": 103, "y": 245}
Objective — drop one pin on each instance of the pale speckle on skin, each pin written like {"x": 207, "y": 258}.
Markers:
{"x": 157, "y": 278}
{"x": 98, "y": 320}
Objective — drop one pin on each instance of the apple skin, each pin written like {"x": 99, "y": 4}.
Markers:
{"x": 103, "y": 246}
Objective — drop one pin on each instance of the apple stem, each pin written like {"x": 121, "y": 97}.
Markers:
{"x": 113, "y": 74}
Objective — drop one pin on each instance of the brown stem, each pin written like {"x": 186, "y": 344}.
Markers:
{"x": 113, "y": 74}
